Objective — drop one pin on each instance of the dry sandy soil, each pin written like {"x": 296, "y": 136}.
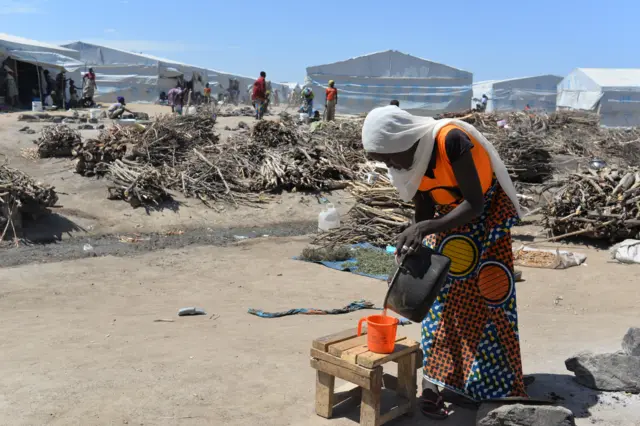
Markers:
{"x": 80, "y": 345}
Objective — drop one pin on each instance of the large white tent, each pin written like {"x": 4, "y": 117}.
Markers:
{"x": 365, "y": 82}
{"x": 141, "y": 78}
{"x": 539, "y": 92}
{"x": 27, "y": 59}
{"x": 613, "y": 93}
{"x": 138, "y": 77}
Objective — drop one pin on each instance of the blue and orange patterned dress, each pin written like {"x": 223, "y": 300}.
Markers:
{"x": 470, "y": 336}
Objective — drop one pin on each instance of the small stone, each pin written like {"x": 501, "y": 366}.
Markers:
{"x": 527, "y": 415}
{"x": 100, "y": 127}
{"x": 93, "y": 120}
{"x": 631, "y": 342}
{"x": 608, "y": 372}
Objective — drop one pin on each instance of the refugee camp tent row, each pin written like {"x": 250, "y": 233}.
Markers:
{"x": 141, "y": 78}
{"x": 612, "y": 93}
{"x": 423, "y": 87}
{"x": 539, "y": 92}
{"x": 28, "y": 59}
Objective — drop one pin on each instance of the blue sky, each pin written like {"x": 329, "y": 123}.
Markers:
{"x": 493, "y": 39}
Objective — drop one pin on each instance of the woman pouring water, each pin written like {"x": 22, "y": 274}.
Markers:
{"x": 465, "y": 205}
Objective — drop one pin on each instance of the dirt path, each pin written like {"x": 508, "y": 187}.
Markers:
{"x": 80, "y": 346}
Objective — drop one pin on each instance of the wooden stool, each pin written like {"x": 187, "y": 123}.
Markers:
{"x": 346, "y": 356}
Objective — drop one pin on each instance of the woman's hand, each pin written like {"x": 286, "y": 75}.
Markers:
{"x": 411, "y": 238}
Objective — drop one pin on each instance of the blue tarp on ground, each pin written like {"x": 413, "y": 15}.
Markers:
{"x": 351, "y": 265}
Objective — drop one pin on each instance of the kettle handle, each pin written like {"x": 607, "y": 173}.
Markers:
{"x": 360, "y": 325}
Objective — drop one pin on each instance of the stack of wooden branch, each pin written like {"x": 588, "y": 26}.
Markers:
{"x": 599, "y": 204}
{"x": 137, "y": 184}
{"x": 57, "y": 141}
{"x": 377, "y": 218}
{"x": 20, "y": 195}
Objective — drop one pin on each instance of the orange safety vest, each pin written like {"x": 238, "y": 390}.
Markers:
{"x": 443, "y": 172}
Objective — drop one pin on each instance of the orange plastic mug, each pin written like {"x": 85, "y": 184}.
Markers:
{"x": 381, "y": 333}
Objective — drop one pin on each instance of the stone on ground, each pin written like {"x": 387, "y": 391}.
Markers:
{"x": 608, "y": 372}
{"x": 631, "y": 342}
{"x": 527, "y": 415}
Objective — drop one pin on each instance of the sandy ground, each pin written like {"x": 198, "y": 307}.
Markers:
{"x": 80, "y": 345}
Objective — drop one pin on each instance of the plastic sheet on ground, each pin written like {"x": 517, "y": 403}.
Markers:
{"x": 340, "y": 265}
{"x": 627, "y": 251}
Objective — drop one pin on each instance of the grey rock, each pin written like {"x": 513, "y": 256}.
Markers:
{"x": 57, "y": 119}
{"x": 93, "y": 120}
{"x": 608, "y": 372}
{"x": 100, "y": 127}
{"x": 631, "y": 342}
{"x": 527, "y": 415}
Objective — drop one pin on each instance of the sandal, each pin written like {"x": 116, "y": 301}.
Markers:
{"x": 435, "y": 410}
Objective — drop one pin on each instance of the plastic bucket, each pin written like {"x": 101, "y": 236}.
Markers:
{"x": 381, "y": 333}
{"x": 94, "y": 113}
{"x": 36, "y": 106}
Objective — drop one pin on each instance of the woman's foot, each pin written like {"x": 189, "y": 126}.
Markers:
{"x": 432, "y": 405}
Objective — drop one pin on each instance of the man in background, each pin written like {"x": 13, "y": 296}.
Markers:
{"x": 259, "y": 95}
{"x": 395, "y": 102}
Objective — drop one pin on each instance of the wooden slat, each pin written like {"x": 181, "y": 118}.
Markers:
{"x": 353, "y": 354}
{"x": 372, "y": 360}
{"x": 361, "y": 371}
{"x": 337, "y": 349}
{"x": 342, "y": 373}
{"x": 370, "y": 407}
{"x": 324, "y": 394}
{"x": 323, "y": 343}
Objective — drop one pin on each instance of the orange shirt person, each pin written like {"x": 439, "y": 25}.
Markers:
{"x": 331, "y": 100}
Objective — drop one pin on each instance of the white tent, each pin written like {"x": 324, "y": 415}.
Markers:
{"x": 539, "y": 92}
{"x": 140, "y": 77}
{"x": 614, "y": 93}
{"x": 28, "y": 58}
{"x": 135, "y": 76}
{"x": 365, "y": 82}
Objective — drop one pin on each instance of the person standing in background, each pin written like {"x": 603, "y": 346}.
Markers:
{"x": 259, "y": 95}
{"x": 89, "y": 87}
{"x": 207, "y": 94}
{"x": 395, "y": 102}
{"x": 12, "y": 87}
{"x": 331, "y": 100}
{"x": 307, "y": 101}
{"x": 175, "y": 97}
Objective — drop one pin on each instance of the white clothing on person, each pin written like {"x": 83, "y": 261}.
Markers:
{"x": 390, "y": 130}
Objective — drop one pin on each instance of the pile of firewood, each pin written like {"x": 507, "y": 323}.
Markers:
{"x": 57, "y": 141}
{"x": 20, "y": 195}
{"x": 599, "y": 204}
{"x": 137, "y": 184}
{"x": 377, "y": 217}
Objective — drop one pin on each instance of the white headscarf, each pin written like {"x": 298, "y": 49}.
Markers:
{"x": 389, "y": 130}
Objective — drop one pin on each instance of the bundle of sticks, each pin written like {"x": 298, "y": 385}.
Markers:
{"x": 137, "y": 184}
{"x": 598, "y": 204}
{"x": 377, "y": 217}
{"x": 93, "y": 156}
{"x": 57, "y": 141}
{"x": 21, "y": 195}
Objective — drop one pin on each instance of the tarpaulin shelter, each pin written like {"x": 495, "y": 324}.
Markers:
{"x": 28, "y": 58}
{"x": 423, "y": 87}
{"x": 140, "y": 77}
{"x": 613, "y": 93}
{"x": 514, "y": 94}
{"x": 135, "y": 76}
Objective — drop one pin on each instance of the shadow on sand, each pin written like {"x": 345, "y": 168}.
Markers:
{"x": 48, "y": 229}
